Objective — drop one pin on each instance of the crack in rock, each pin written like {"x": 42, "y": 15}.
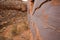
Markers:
{"x": 40, "y": 5}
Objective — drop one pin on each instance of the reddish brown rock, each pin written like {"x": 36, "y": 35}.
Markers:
{"x": 46, "y": 16}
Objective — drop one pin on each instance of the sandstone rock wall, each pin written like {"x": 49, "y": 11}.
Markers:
{"x": 44, "y": 19}
{"x": 10, "y": 9}
{"x": 13, "y": 19}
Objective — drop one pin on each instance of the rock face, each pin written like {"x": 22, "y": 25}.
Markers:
{"x": 10, "y": 9}
{"x": 44, "y": 19}
{"x": 13, "y": 18}
{"x": 10, "y": 4}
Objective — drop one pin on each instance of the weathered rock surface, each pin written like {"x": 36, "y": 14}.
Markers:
{"x": 45, "y": 19}
{"x": 10, "y": 10}
{"x": 13, "y": 18}
{"x": 10, "y": 4}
